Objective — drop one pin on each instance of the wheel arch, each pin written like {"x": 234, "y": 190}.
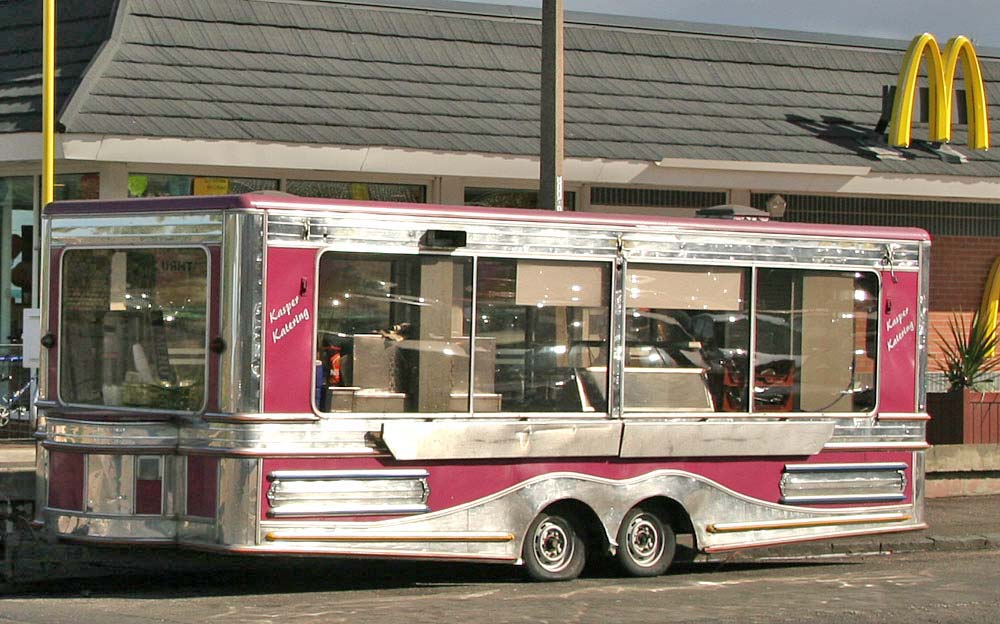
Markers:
{"x": 670, "y": 511}
{"x": 585, "y": 520}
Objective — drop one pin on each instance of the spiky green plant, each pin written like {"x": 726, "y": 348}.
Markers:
{"x": 968, "y": 356}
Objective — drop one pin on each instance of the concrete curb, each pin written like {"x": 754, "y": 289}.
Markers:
{"x": 848, "y": 548}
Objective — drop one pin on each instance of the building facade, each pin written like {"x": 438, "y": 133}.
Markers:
{"x": 437, "y": 101}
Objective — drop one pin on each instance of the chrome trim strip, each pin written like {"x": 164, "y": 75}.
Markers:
{"x": 414, "y": 536}
{"x": 369, "y": 510}
{"x": 260, "y": 417}
{"x": 734, "y": 527}
{"x": 838, "y": 467}
{"x": 355, "y": 553}
{"x": 843, "y": 499}
{"x": 307, "y": 475}
{"x": 876, "y": 445}
{"x": 798, "y": 540}
{"x": 904, "y": 416}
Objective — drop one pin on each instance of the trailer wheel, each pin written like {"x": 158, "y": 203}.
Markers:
{"x": 646, "y": 544}
{"x": 553, "y": 550}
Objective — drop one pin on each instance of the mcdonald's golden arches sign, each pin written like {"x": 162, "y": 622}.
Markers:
{"x": 941, "y": 84}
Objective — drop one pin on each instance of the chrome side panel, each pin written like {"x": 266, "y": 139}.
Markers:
{"x": 879, "y": 431}
{"x": 923, "y": 326}
{"x": 723, "y": 439}
{"x": 389, "y": 233}
{"x": 94, "y": 527}
{"x": 415, "y": 440}
{"x": 490, "y": 528}
{"x": 500, "y": 520}
{"x": 347, "y": 492}
{"x": 324, "y": 437}
{"x": 120, "y": 436}
{"x": 137, "y": 229}
{"x": 843, "y": 483}
{"x": 241, "y": 312}
{"x": 730, "y": 248}
{"x": 239, "y": 501}
{"x": 919, "y": 473}
{"x": 110, "y": 484}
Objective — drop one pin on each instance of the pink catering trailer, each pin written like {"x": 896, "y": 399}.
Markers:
{"x": 287, "y": 376}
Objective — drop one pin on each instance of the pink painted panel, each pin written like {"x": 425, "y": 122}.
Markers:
{"x": 456, "y": 483}
{"x": 202, "y": 485}
{"x": 66, "y": 475}
{"x": 289, "y": 333}
{"x": 898, "y": 364}
{"x": 149, "y": 496}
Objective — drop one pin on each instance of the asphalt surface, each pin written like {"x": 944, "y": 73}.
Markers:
{"x": 966, "y": 523}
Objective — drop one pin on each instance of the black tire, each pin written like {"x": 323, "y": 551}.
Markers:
{"x": 553, "y": 549}
{"x": 646, "y": 544}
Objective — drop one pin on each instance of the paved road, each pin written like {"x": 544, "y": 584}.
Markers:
{"x": 921, "y": 587}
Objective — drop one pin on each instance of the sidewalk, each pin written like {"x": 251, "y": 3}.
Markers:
{"x": 17, "y": 471}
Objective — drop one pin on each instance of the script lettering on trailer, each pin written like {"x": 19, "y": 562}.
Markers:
{"x": 899, "y": 326}
{"x": 289, "y": 311}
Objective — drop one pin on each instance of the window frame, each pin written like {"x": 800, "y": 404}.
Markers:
{"x": 209, "y": 320}
{"x": 475, "y": 256}
{"x": 753, "y": 268}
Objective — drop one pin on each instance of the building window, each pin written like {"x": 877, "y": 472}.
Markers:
{"x": 511, "y": 198}
{"x": 655, "y": 198}
{"x": 77, "y": 186}
{"x": 364, "y": 191}
{"x": 940, "y": 218}
{"x": 167, "y": 185}
{"x": 17, "y": 204}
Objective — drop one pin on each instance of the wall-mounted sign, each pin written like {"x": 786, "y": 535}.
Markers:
{"x": 211, "y": 186}
{"x": 941, "y": 84}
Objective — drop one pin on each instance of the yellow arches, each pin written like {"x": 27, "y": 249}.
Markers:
{"x": 941, "y": 83}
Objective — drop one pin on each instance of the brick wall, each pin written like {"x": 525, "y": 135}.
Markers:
{"x": 959, "y": 268}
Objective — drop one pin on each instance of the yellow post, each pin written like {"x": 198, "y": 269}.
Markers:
{"x": 48, "y": 101}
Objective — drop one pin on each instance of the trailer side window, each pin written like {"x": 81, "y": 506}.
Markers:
{"x": 544, "y": 325}
{"x": 687, "y": 333}
{"x": 133, "y": 327}
{"x": 816, "y": 341}
{"x": 393, "y": 333}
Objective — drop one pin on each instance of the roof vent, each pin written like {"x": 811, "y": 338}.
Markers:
{"x": 949, "y": 154}
{"x": 880, "y": 149}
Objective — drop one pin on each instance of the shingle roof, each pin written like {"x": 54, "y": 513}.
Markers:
{"x": 350, "y": 74}
{"x": 83, "y": 27}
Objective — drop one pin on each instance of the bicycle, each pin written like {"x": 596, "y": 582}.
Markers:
{"x": 9, "y": 401}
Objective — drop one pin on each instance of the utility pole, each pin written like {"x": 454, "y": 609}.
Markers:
{"x": 550, "y": 184}
{"x": 48, "y": 100}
